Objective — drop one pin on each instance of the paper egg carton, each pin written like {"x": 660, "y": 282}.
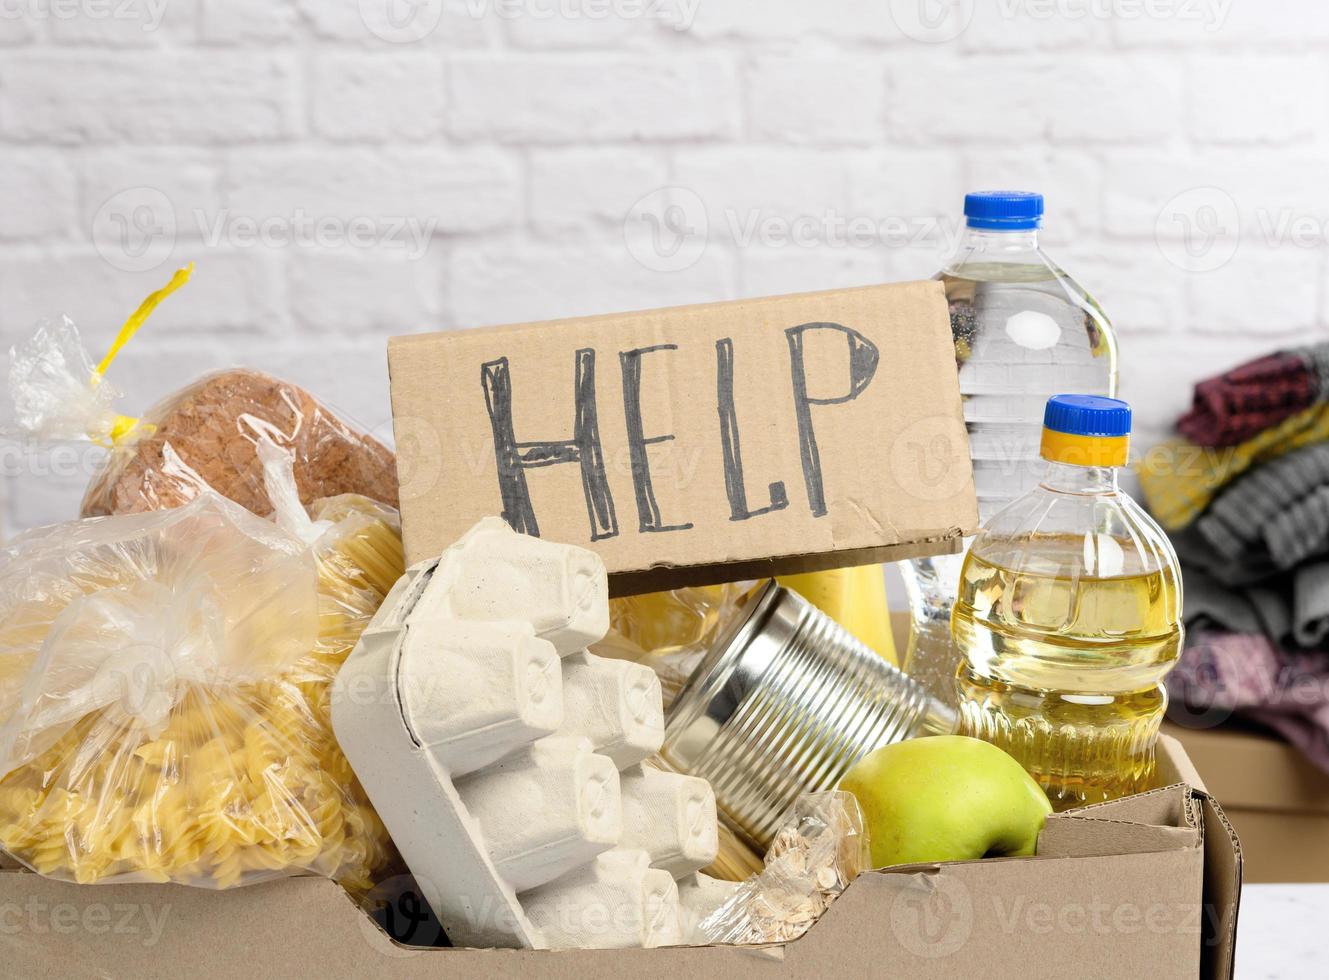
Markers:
{"x": 506, "y": 761}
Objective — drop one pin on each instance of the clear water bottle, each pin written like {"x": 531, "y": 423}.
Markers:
{"x": 1069, "y": 616}
{"x": 1024, "y": 331}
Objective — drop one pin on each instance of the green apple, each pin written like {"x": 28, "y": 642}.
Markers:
{"x": 946, "y": 798}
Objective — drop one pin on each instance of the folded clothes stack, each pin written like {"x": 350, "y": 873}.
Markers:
{"x": 1245, "y": 401}
{"x": 1245, "y": 498}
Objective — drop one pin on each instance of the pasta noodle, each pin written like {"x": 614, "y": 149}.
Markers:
{"x": 235, "y": 781}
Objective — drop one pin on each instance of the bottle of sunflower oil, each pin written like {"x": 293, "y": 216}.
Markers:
{"x": 1024, "y": 329}
{"x": 1069, "y": 616}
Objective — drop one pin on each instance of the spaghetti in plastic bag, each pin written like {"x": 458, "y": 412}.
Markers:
{"x": 163, "y": 695}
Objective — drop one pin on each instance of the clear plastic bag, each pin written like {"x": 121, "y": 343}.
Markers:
{"x": 164, "y": 684}
{"x": 810, "y": 863}
{"x": 203, "y": 437}
{"x": 57, "y": 393}
{"x": 669, "y": 631}
{"x": 357, "y": 549}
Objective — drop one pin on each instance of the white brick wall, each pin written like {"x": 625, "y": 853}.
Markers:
{"x": 341, "y": 171}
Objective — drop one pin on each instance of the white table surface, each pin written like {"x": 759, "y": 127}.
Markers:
{"x": 1283, "y": 932}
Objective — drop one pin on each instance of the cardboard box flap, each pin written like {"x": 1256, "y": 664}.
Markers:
{"x": 1222, "y": 890}
{"x": 1168, "y": 806}
{"x": 1175, "y": 766}
{"x": 1251, "y": 770}
{"x": 1090, "y": 837}
{"x": 1160, "y": 820}
{"x": 691, "y": 445}
{"x": 1275, "y": 797}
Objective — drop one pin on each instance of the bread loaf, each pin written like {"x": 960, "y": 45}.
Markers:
{"x": 204, "y": 436}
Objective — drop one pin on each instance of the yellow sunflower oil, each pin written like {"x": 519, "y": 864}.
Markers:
{"x": 1069, "y": 616}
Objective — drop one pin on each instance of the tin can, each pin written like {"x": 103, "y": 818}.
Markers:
{"x": 785, "y": 702}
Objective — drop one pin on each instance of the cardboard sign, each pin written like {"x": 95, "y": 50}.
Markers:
{"x": 699, "y": 444}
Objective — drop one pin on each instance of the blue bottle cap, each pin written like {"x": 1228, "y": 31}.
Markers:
{"x": 1087, "y": 415}
{"x": 1003, "y": 210}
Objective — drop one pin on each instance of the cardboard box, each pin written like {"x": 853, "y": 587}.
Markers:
{"x": 1145, "y": 886}
{"x": 1276, "y": 799}
{"x": 695, "y": 445}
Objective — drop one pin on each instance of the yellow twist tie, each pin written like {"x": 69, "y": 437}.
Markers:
{"x": 126, "y": 424}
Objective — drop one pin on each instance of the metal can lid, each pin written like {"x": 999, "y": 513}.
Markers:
{"x": 716, "y": 688}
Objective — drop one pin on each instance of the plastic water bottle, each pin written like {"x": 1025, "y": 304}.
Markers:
{"x": 1024, "y": 330}
{"x": 1069, "y": 616}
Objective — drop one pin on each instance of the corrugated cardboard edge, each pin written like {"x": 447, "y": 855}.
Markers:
{"x": 649, "y": 580}
{"x": 1222, "y": 853}
{"x": 1222, "y": 864}
{"x": 1222, "y": 890}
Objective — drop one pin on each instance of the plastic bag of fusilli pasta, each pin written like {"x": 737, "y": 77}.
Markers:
{"x": 163, "y": 685}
